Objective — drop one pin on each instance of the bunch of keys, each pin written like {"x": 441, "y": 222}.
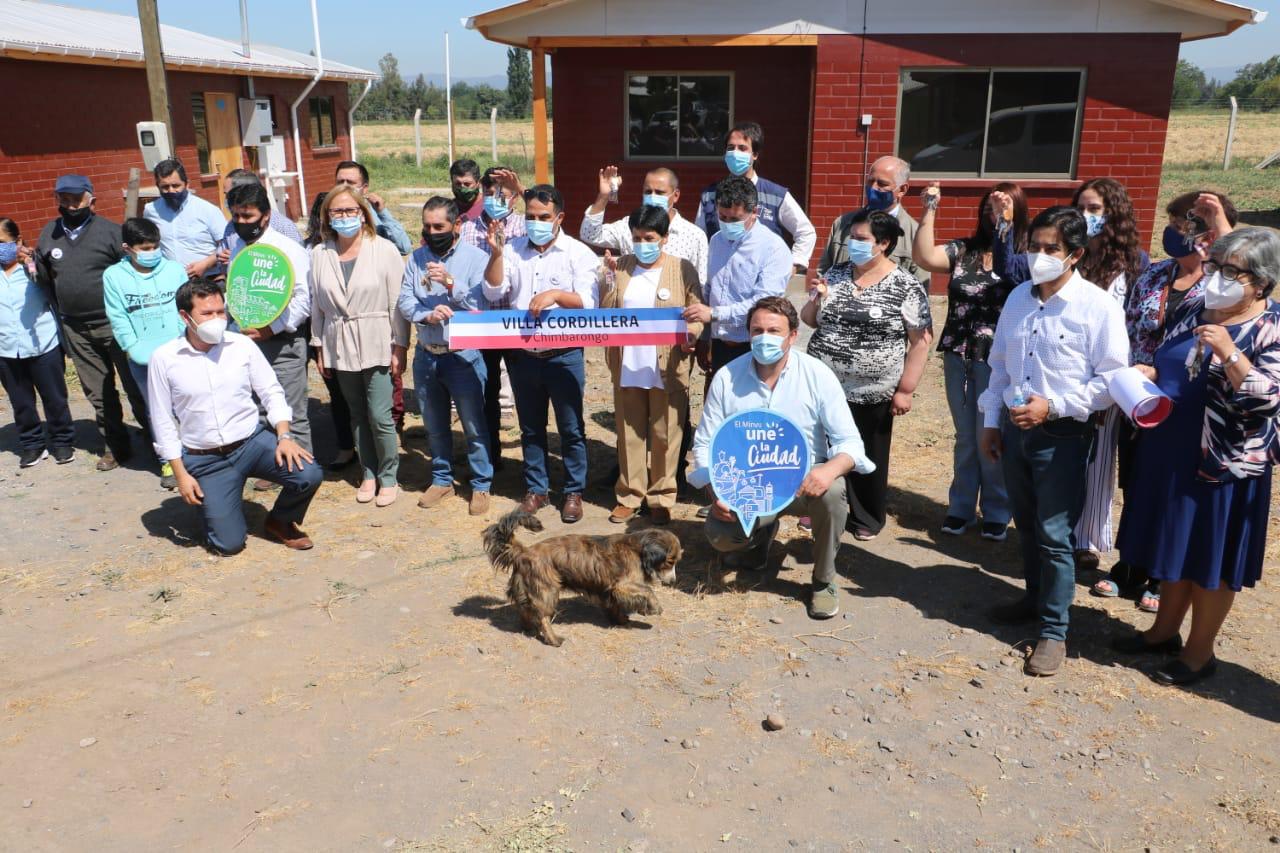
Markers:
{"x": 1195, "y": 359}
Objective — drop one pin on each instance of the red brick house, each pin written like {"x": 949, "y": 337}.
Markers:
{"x": 971, "y": 92}
{"x": 75, "y": 88}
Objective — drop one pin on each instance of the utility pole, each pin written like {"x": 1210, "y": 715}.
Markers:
{"x": 153, "y": 53}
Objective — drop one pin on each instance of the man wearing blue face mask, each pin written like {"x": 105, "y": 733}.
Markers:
{"x": 888, "y": 180}
{"x": 776, "y": 207}
{"x": 190, "y": 227}
{"x": 662, "y": 190}
{"x": 776, "y": 375}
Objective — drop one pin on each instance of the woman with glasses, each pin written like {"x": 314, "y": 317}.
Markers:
{"x": 1200, "y": 494}
{"x": 358, "y": 331}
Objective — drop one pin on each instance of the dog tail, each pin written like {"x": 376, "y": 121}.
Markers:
{"x": 499, "y": 538}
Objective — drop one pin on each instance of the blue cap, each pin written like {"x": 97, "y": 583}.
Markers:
{"x": 73, "y": 184}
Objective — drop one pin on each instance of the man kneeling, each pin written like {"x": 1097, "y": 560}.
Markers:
{"x": 207, "y": 379}
{"x": 777, "y": 376}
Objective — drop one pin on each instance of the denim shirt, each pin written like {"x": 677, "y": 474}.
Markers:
{"x": 419, "y": 296}
{"x": 27, "y": 325}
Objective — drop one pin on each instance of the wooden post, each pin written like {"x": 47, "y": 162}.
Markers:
{"x": 131, "y": 194}
{"x": 493, "y": 132}
{"x": 417, "y": 135}
{"x": 1231, "y": 134}
{"x": 153, "y": 54}
{"x": 541, "y": 165}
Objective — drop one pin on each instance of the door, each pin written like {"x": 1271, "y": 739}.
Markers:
{"x": 222, "y": 119}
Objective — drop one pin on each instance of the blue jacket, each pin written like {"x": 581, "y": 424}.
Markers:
{"x": 771, "y": 196}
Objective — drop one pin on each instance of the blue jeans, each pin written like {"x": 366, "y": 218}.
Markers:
{"x": 1045, "y": 470}
{"x": 222, "y": 479}
{"x": 457, "y": 376}
{"x": 973, "y": 476}
{"x": 560, "y": 381}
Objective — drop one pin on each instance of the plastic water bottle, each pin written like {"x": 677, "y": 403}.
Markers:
{"x": 1020, "y": 397}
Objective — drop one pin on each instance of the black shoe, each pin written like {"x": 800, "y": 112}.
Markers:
{"x": 33, "y": 457}
{"x": 1020, "y": 612}
{"x": 1178, "y": 674}
{"x": 1136, "y": 644}
{"x": 704, "y": 511}
{"x": 341, "y": 461}
{"x": 954, "y": 525}
{"x": 63, "y": 455}
{"x": 995, "y": 532}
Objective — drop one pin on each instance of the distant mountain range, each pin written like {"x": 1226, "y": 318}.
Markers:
{"x": 1221, "y": 73}
{"x": 498, "y": 81}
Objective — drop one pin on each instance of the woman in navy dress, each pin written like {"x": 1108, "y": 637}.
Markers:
{"x": 1201, "y": 487}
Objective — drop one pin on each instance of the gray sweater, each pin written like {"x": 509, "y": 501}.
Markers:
{"x": 71, "y": 271}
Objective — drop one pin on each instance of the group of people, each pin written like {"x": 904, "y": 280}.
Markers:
{"x": 1041, "y": 313}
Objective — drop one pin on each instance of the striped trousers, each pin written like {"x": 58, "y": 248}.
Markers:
{"x": 1093, "y": 532}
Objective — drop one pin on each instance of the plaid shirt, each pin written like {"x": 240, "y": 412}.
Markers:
{"x": 475, "y": 232}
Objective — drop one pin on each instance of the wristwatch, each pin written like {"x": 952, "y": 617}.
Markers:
{"x": 283, "y": 436}
{"x": 1233, "y": 358}
{"x": 1053, "y": 410}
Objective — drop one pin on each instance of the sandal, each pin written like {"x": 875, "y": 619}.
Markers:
{"x": 1105, "y": 588}
{"x": 1149, "y": 602}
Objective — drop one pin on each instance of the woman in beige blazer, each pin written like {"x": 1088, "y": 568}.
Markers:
{"x": 358, "y": 333}
{"x": 650, "y": 383}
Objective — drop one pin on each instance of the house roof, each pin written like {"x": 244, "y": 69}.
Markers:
{"x": 56, "y": 33}
{"x": 551, "y": 23}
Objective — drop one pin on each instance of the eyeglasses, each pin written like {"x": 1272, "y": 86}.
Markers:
{"x": 344, "y": 212}
{"x": 1230, "y": 272}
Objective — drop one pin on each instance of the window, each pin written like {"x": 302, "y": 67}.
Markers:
{"x": 324, "y": 129}
{"x": 678, "y": 116}
{"x": 987, "y": 122}
{"x": 202, "y": 132}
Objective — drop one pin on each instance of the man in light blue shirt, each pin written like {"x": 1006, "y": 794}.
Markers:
{"x": 745, "y": 263}
{"x": 190, "y": 227}
{"x": 444, "y": 276}
{"x": 775, "y": 375}
{"x": 355, "y": 175}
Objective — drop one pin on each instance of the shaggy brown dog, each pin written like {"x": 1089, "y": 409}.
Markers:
{"x": 617, "y": 571}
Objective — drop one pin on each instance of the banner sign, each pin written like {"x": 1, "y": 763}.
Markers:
{"x": 567, "y": 327}
{"x": 759, "y": 458}
{"x": 259, "y": 285}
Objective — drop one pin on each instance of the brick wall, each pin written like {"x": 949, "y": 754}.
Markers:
{"x": 66, "y": 117}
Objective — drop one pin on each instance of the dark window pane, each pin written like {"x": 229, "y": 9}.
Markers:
{"x": 202, "y": 132}
{"x": 942, "y": 120}
{"x": 1033, "y": 122}
{"x": 704, "y": 115}
{"x": 652, "y": 104}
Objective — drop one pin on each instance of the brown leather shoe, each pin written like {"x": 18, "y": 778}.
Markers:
{"x": 533, "y": 502}
{"x": 620, "y": 514}
{"x": 661, "y": 515}
{"x": 289, "y": 534}
{"x": 1047, "y": 658}
{"x": 572, "y": 509}
{"x": 433, "y": 495}
{"x": 479, "y": 504}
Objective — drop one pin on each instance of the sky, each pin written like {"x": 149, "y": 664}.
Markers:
{"x": 417, "y": 37}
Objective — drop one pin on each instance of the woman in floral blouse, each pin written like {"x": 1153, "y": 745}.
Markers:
{"x": 975, "y": 295}
{"x": 1201, "y": 490}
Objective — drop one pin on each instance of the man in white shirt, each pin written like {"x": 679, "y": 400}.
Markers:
{"x": 1057, "y": 343}
{"x": 546, "y": 270}
{"x": 190, "y": 227}
{"x": 207, "y": 380}
{"x": 284, "y": 342}
{"x": 888, "y": 180}
{"x": 661, "y": 189}
{"x": 776, "y": 375}
{"x": 778, "y": 208}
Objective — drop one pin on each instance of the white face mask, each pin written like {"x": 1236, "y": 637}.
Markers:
{"x": 1045, "y": 268}
{"x": 212, "y": 330}
{"x": 1221, "y": 293}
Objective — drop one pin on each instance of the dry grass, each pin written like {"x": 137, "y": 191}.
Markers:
{"x": 1200, "y": 137}
{"x": 515, "y": 138}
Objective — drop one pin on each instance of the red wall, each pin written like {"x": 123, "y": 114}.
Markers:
{"x": 1129, "y": 81}
{"x": 771, "y": 85}
{"x": 63, "y": 117}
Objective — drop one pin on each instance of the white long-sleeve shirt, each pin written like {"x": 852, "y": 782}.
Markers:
{"x": 299, "y": 307}
{"x": 791, "y": 216}
{"x": 210, "y": 393}
{"x": 1064, "y": 350}
{"x": 684, "y": 239}
{"x": 564, "y": 265}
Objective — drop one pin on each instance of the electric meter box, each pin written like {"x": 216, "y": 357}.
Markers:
{"x": 153, "y": 140}
{"x": 255, "y": 121}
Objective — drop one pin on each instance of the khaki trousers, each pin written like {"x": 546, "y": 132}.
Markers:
{"x": 650, "y": 423}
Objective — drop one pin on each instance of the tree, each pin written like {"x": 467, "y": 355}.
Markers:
{"x": 519, "y": 82}
{"x": 1250, "y": 77}
{"x": 1189, "y": 83}
{"x": 1268, "y": 93}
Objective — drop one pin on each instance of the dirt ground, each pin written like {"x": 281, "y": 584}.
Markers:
{"x": 375, "y": 693}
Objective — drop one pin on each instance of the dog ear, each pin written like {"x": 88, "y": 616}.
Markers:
{"x": 652, "y": 556}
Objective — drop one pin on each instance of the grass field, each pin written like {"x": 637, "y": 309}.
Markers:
{"x": 387, "y": 148}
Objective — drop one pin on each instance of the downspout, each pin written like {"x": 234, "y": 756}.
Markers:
{"x": 303, "y": 203}
{"x": 351, "y": 117}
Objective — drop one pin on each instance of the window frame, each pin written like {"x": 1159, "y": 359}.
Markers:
{"x": 317, "y": 117}
{"x": 200, "y": 124}
{"x": 991, "y": 70}
{"x": 677, "y": 157}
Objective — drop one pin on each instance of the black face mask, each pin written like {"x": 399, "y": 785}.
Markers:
{"x": 438, "y": 243}
{"x": 249, "y": 231}
{"x": 75, "y": 218}
{"x": 174, "y": 200}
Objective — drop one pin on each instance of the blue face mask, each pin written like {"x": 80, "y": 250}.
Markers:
{"x": 733, "y": 231}
{"x": 878, "y": 199}
{"x": 738, "y": 161}
{"x": 767, "y": 349}
{"x": 1176, "y": 244}
{"x": 148, "y": 259}
{"x": 647, "y": 253}
{"x": 8, "y": 253}
{"x": 347, "y": 226}
{"x": 496, "y": 207}
{"x": 861, "y": 251}
{"x": 540, "y": 233}
{"x": 655, "y": 200}
{"x": 1094, "y": 222}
